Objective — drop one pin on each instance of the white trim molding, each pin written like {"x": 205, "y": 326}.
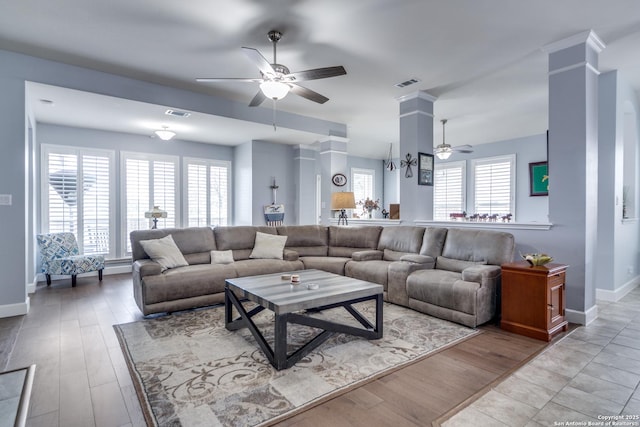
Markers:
{"x": 419, "y": 94}
{"x": 581, "y": 317}
{"x": 589, "y": 37}
{"x": 18, "y": 309}
{"x": 617, "y": 294}
{"x": 411, "y": 113}
{"x": 585, "y": 64}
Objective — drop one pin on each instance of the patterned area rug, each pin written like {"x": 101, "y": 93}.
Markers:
{"x": 190, "y": 370}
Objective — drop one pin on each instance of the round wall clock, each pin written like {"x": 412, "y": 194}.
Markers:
{"x": 339, "y": 180}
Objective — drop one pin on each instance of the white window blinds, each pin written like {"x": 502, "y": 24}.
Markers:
{"x": 78, "y": 196}
{"x": 149, "y": 180}
{"x": 362, "y": 184}
{"x": 207, "y": 200}
{"x": 494, "y": 184}
{"x": 449, "y": 190}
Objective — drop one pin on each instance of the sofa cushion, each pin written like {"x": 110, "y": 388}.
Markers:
{"x": 269, "y": 246}
{"x": 371, "y": 271}
{"x": 404, "y": 239}
{"x": 186, "y": 282}
{"x": 240, "y": 239}
{"x": 254, "y": 267}
{"x": 165, "y": 252}
{"x": 433, "y": 241}
{"x": 189, "y": 240}
{"x": 306, "y": 240}
{"x": 444, "y": 263}
{"x": 222, "y": 257}
{"x": 443, "y": 289}
{"x": 494, "y": 247}
{"x": 331, "y": 264}
{"x": 343, "y": 241}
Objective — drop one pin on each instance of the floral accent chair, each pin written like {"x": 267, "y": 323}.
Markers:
{"x": 60, "y": 255}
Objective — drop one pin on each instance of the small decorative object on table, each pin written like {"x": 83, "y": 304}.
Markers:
{"x": 385, "y": 214}
{"x": 536, "y": 259}
{"x": 369, "y": 205}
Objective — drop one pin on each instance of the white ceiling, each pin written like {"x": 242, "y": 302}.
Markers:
{"x": 482, "y": 59}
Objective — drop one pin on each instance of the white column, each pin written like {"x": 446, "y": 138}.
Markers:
{"x": 416, "y": 136}
{"x": 333, "y": 160}
{"x": 573, "y": 165}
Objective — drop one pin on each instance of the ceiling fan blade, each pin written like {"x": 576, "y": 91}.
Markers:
{"x": 308, "y": 94}
{"x": 258, "y": 99}
{"x": 259, "y": 61}
{"x": 317, "y": 73}
{"x": 229, "y": 79}
{"x": 463, "y": 148}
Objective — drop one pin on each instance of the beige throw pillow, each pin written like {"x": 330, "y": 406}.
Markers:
{"x": 222, "y": 257}
{"x": 165, "y": 252}
{"x": 268, "y": 246}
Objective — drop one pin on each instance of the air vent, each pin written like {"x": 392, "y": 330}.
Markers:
{"x": 177, "y": 113}
{"x": 407, "y": 83}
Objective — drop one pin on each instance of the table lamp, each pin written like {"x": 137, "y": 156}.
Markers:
{"x": 341, "y": 201}
{"x": 155, "y": 213}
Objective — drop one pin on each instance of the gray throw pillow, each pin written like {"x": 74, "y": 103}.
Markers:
{"x": 165, "y": 252}
{"x": 269, "y": 246}
{"x": 222, "y": 257}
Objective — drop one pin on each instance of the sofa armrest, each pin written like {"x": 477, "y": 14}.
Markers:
{"x": 370, "y": 255}
{"x": 290, "y": 255}
{"x": 483, "y": 274}
{"x": 419, "y": 259}
{"x": 146, "y": 267}
{"x": 397, "y": 275}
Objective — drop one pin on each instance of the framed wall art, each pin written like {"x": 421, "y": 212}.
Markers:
{"x": 538, "y": 179}
{"x": 425, "y": 169}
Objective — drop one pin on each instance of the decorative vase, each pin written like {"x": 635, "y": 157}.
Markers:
{"x": 369, "y": 214}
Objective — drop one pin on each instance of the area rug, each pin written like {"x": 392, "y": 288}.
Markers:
{"x": 189, "y": 370}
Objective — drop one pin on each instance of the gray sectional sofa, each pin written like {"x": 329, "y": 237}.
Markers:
{"x": 450, "y": 273}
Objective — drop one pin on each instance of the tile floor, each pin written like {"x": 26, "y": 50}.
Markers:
{"x": 592, "y": 373}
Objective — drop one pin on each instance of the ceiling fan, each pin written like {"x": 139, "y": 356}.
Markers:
{"x": 277, "y": 81}
{"x": 444, "y": 151}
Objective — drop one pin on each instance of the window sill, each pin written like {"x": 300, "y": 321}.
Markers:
{"x": 629, "y": 220}
{"x": 489, "y": 225}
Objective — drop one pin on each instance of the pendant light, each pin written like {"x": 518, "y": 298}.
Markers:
{"x": 443, "y": 151}
{"x": 390, "y": 166}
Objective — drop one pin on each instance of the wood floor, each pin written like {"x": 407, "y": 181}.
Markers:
{"x": 82, "y": 380}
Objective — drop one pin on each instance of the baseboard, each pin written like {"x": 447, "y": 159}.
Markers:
{"x": 617, "y": 294}
{"x": 10, "y": 310}
{"x": 31, "y": 287}
{"x": 581, "y": 317}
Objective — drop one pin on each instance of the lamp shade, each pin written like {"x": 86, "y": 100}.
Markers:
{"x": 443, "y": 153}
{"x": 274, "y": 90}
{"x": 156, "y": 212}
{"x": 343, "y": 200}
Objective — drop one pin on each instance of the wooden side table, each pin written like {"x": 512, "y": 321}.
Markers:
{"x": 533, "y": 300}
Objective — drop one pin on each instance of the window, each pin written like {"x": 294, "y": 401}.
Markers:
{"x": 449, "y": 190}
{"x": 494, "y": 185}
{"x": 148, "y": 180}
{"x": 78, "y": 197}
{"x": 207, "y": 192}
{"x": 362, "y": 183}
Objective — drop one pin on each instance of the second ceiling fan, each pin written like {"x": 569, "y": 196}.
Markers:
{"x": 444, "y": 151}
{"x": 277, "y": 81}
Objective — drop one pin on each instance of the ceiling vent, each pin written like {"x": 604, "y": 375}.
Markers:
{"x": 177, "y": 113}
{"x": 407, "y": 83}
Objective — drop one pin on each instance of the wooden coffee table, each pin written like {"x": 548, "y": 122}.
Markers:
{"x": 271, "y": 292}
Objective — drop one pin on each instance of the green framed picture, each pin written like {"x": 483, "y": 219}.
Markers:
{"x": 538, "y": 179}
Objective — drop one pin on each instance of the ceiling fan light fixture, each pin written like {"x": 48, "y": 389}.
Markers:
{"x": 443, "y": 153}
{"x": 165, "y": 134}
{"x": 274, "y": 90}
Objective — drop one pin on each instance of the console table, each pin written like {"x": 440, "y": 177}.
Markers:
{"x": 533, "y": 300}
